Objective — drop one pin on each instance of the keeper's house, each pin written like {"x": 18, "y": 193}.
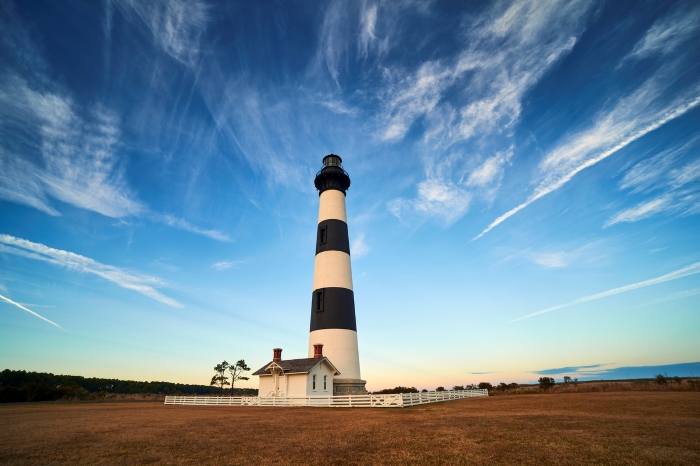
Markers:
{"x": 297, "y": 377}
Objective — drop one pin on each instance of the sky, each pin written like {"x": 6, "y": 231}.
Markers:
{"x": 525, "y": 194}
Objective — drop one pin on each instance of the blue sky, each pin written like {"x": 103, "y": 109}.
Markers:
{"x": 525, "y": 184}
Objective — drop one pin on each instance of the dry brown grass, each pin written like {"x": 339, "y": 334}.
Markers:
{"x": 579, "y": 428}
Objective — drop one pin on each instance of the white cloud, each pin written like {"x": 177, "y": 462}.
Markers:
{"x": 79, "y": 162}
{"x": 681, "y": 202}
{"x": 8, "y": 300}
{"x": 667, "y": 34}
{"x": 644, "y": 210}
{"x": 674, "y": 296}
{"x": 687, "y": 174}
{"x": 223, "y": 265}
{"x": 176, "y": 25}
{"x": 560, "y": 258}
{"x": 414, "y": 96}
{"x": 436, "y": 198}
{"x": 368, "y": 24}
{"x": 632, "y": 117}
{"x": 684, "y": 272}
{"x": 50, "y": 150}
{"x": 143, "y": 284}
{"x": 187, "y": 226}
{"x": 487, "y": 176}
{"x": 552, "y": 259}
{"x": 358, "y": 247}
{"x": 645, "y": 175}
{"x": 680, "y": 193}
{"x": 509, "y": 49}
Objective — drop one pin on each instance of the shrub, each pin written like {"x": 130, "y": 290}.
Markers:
{"x": 458, "y": 387}
{"x": 567, "y": 379}
{"x": 485, "y": 385}
{"x": 661, "y": 379}
{"x": 546, "y": 382}
{"x": 398, "y": 389}
{"x": 440, "y": 389}
{"x": 677, "y": 379}
{"x": 425, "y": 390}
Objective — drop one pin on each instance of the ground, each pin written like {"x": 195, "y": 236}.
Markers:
{"x": 576, "y": 428}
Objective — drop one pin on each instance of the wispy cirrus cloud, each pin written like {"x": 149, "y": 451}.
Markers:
{"x": 672, "y": 185}
{"x": 644, "y": 110}
{"x": 144, "y": 284}
{"x": 437, "y": 197}
{"x": 510, "y": 48}
{"x": 641, "y": 211}
{"x": 224, "y": 265}
{"x": 674, "y": 296}
{"x": 635, "y": 115}
{"x": 560, "y": 257}
{"x": 667, "y": 34}
{"x": 176, "y": 26}
{"x": 8, "y": 300}
{"x": 75, "y": 159}
{"x": 369, "y": 27}
{"x": 684, "y": 272}
{"x": 51, "y": 147}
{"x": 187, "y": 226}
{"x": 358, "y": 247}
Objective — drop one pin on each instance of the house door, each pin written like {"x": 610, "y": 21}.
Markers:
{"x": 281, "y": 385}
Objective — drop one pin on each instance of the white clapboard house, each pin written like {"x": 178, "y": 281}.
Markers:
{"x": 297, "y": 377}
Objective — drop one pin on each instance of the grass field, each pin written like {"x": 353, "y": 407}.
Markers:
{"x": 571, "y": 428}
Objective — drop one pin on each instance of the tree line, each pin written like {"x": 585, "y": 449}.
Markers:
{"x": 20, "y": 386}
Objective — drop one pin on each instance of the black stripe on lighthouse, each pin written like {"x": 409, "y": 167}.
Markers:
{"x": 332, "y": 235}
{"x": 333, "y": 308}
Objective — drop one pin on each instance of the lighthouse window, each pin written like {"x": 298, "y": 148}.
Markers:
{"x": 324, "y": 383}
{"x": 313, "y": 382}
{"x": 322, "y": 235}
{"x": 319, "y": 301}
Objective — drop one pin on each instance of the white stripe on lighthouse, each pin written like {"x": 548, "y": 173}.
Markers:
{"x": 340, "y": 347}
{"x": 332, "y": 206}
{"x": 332, "y": 269}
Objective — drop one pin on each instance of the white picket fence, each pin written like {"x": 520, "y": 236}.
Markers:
{"x": 348, "y": 401}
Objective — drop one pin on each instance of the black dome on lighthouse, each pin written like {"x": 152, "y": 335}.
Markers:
{"x": 332, "y": 175}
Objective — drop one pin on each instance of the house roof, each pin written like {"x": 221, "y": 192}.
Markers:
{"x": 291, "y": 366}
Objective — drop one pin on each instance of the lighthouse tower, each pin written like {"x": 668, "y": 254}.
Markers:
{"x": 333, "y": 300}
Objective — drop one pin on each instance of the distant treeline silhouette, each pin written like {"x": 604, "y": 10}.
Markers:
{"x": 20, "y": 386}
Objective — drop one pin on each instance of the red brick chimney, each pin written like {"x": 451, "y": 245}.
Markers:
{"x": 318, "y": 351}
{"x": 277, "y": 354}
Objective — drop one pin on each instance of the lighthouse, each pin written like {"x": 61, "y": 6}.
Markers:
{"x": 333, "y": 300}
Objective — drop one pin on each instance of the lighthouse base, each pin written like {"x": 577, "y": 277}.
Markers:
{"x": 349, "y": 387}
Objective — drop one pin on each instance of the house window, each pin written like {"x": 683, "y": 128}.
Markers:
{"x": 325, "y": 387}
{"x": 322, "y": 234}
{"x": 313, "y": 382}
{"x": 319, "y": 300}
